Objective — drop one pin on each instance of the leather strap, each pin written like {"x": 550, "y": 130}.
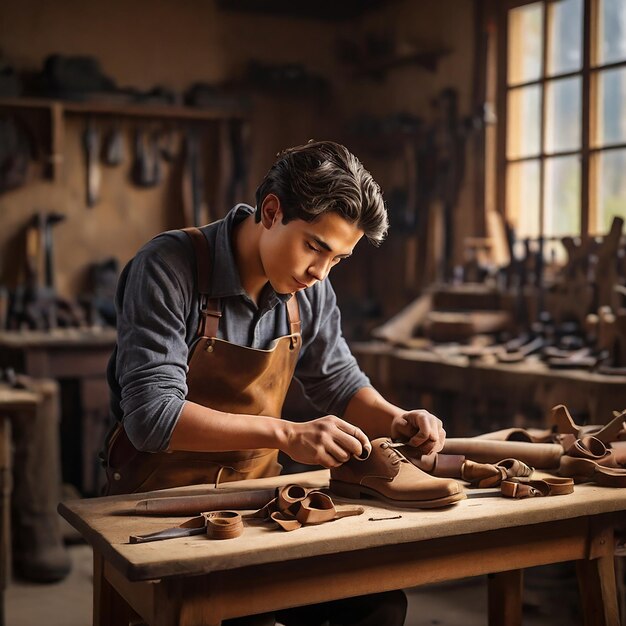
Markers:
{"x": 209, "y": 307}
{"x": 530, "y": 488}
{"x": 293, "y": 315}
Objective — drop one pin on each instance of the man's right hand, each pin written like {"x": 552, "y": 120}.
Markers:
{"x": 328, "y": 441}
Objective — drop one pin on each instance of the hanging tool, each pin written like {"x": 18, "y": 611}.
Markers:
{"x": 91, "y": 144}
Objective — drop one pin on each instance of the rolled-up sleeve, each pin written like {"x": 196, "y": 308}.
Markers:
{"x": 151, "y": 360}
{"x": 327, "y": 369}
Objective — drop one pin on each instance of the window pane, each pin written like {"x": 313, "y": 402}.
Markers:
{"x": 611, "y": 121}
{"x": 522, "y": 198}
{"x": 612, "y": 36}
{"x": 563, "y": 115}
{"x": 566, "y": 30}
{"x": 525, "y": 37}
{"x": 561, "y": 209}
{"x": 611, "y": 186}
{"x": 523, "y": 122}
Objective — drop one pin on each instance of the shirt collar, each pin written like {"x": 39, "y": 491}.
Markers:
{"x": 225, "y": 279}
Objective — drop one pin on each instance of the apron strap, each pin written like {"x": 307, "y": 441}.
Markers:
{"x": 293, "y": 315}
{"x": 209, "y": 307}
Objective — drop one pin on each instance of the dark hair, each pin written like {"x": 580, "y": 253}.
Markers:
{"x": 323, "y": 176}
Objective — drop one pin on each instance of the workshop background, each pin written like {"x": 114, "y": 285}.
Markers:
{"x": 496, "y": 129}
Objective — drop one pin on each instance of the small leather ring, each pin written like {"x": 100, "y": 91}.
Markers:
{"x": 223, "y": 524}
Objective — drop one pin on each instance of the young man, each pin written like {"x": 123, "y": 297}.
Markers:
{"x": 253, "y": 287}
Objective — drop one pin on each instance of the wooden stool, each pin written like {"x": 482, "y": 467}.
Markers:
{"x": 5, "y": 510}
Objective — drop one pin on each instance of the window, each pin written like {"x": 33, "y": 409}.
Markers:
{"x": 562, "y": 107}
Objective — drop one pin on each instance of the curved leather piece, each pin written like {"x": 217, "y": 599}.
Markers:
{"x": 486, "y": 475}
{"x": 530, "y": 488}
{"x": 296, "y": 506}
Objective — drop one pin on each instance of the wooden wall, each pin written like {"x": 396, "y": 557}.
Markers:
{"x": 174, "y": 43}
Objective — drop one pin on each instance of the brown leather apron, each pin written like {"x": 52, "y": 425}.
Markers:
{"x": 226, "y": 377}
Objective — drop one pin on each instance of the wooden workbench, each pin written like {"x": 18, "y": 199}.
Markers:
{"x": 199, "y": 581}
{"x": 14, "y": 404}
{"x": 77, "y": 358}
{"x": 405, "y": 375}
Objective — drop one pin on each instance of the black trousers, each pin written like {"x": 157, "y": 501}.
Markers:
{"x": 378, "y": 609}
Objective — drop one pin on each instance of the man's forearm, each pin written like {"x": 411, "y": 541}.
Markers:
{"x": 202, "y": 429}
{"x": 373, "y": 414}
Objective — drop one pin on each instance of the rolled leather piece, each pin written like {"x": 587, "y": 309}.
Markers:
{"x": 537, "y": 455}
{"x": 223, "y": 524}
{"x": 213, "y": 500}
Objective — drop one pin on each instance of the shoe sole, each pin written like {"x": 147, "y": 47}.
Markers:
{"x": 356, "y": 492}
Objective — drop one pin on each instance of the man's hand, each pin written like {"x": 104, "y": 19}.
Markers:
{"x": 420, "y": 429}
{"x": 328, "y": 441}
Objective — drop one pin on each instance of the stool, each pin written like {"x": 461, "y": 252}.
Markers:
{"x": 5, "y": 510}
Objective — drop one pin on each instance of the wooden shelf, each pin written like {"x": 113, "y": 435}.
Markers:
{"x": 57, "y": 110}
{"x": 123, "y": 109}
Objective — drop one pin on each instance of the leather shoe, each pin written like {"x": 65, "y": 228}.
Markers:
{"x": 388, "y": 476}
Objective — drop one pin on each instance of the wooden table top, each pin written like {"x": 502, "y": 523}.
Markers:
{"x": 58, "y": 338}
{"x": 106, "y": 524}
{"x": 12, "y": 398}
{"x": 449, "y": 356}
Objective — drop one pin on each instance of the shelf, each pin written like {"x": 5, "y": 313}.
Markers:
{"x": 123, "y": 109}
{"x": 57, "y": 110}
{"x": 325, "y": 10}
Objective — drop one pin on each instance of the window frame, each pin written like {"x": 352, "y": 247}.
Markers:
{"x": 589, "y": 72}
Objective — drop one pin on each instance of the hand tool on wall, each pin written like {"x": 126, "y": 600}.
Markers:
{"x": 91, "y": 145}
{"x": 194, "y": 206}
{"x": 239, "y": 133}
{"x": 226, "y": 168}
{"x": 142, "y": 171}
{"x": 113, "y": 149}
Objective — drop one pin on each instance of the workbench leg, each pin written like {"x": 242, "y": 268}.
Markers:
{"x": 109, "y": 608}
{"x": 598, "y": 592}
{"x": 505, "y": 598}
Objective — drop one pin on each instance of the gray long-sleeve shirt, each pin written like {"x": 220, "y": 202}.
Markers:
{"x": 157, "y": 304}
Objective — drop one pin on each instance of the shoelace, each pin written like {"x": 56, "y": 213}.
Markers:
{"x": 395, "y": 455}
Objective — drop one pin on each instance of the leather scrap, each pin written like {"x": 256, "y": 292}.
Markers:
{"x": 486, "y": 475}
{"x": 519, "y": 488}
{"x": 296, "y": 506}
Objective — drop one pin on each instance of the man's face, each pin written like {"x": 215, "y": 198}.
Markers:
{"x": 298, "y": 254}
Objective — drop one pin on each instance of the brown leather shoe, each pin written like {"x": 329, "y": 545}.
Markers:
{"x": 388, "y": 476}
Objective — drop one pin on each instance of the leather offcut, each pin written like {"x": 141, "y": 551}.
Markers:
{"x": 520, "y": 488}
{"x": 297, "y": 506}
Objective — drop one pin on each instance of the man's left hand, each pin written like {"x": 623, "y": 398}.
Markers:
{"x": 419, "y": 429}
